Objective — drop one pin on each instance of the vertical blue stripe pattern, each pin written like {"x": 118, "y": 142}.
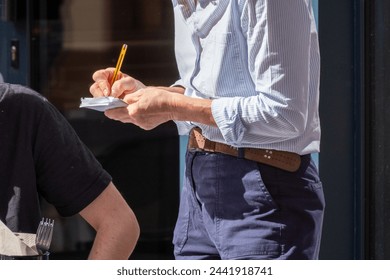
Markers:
{"x": 259, "y": 61}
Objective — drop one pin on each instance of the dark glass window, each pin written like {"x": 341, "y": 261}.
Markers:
{"x": 69, "y": 41}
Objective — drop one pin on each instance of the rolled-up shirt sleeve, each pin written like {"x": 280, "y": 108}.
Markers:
{"x": 260, "y": 67}
{"x": 278, "y": 61}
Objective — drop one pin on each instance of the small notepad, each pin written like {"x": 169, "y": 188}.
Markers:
{"x": 102, "y": 103}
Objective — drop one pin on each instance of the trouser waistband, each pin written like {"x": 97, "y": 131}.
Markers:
{"x": 284, "y": 160}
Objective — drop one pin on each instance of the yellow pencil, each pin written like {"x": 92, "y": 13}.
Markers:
{"x": 119, "y": 63}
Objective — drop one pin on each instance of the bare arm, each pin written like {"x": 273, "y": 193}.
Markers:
{"x": 116, "y": 226}
{"x": 150, "y": 106}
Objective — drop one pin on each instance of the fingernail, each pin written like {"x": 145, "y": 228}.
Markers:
{"x": 105, "y": 92}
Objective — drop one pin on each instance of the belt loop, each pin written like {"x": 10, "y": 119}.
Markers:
{"x": 241, "y": 152}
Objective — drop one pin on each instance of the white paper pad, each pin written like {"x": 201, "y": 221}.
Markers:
{"x": 102, "y": 103}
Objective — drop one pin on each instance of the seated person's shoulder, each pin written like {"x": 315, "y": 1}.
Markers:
{"x": 18, "y": 98}
{"x": 16, "y": 92}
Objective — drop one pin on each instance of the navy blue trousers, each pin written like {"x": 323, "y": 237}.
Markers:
{"x": 233, "y": 208}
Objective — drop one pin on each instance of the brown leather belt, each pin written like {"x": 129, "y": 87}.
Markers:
{"x": 284, "y": 160}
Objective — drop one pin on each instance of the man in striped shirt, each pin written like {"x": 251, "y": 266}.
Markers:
{"x": 248, "y": 97}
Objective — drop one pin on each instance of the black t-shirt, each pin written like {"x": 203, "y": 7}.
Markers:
{"x": 40, "y": 153}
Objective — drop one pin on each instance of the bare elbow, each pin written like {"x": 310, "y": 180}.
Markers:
{"x": 129, "y": 231}
{"x": 133, "y": 226}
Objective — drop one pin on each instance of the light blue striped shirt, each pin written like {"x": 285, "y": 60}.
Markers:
{"x": 259, "y": 61}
